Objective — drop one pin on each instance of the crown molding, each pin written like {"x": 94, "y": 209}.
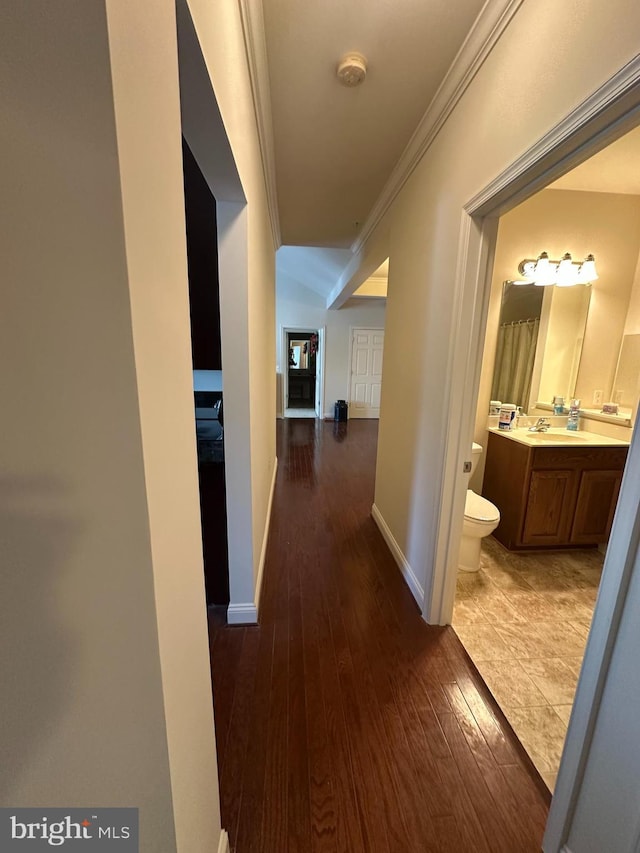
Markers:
{"x": 256, "y": 50}
{"x": 487, "y": 29}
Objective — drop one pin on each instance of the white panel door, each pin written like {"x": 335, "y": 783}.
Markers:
{"x": 366, "y": 372}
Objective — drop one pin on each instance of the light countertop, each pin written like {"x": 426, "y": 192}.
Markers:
{"x": 559, "y": 437}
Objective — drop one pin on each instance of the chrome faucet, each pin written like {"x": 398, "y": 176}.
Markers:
{"x": 541, "y": 425}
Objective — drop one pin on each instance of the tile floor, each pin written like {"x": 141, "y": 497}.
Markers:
{"x": 524, "y": 619}
{"x": 300, "y": 413}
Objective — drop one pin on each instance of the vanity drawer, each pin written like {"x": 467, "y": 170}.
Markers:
{"x": 583, "y": 458}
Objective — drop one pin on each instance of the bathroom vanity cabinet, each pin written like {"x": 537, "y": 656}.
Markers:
{"x": 552, "y": 496}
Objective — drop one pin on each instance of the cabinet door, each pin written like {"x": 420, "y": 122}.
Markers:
{"x": 549, "y": 508}
{"x": 596, "y": 504}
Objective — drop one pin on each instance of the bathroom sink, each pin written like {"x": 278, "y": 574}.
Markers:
{"x": 557, "y": 437}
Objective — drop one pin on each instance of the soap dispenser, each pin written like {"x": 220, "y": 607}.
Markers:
{"x": 573, "y": 420}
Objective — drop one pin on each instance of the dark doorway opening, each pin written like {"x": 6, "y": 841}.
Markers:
{"x": 302, "y": 348}
{"x": 204, "y": 304}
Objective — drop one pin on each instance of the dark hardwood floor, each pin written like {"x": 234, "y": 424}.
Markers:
{"x": 344, "y": 722}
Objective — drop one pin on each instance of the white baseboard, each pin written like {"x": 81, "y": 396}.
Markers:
{"x": 246, "y": 612}
{"x": 403, "y": 564}
{"x": 223, "y": 846}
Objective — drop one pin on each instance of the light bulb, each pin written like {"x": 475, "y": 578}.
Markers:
{"x": 567, "y": 274}
{"x": 544, "y": 272}
{"x": 587, "y": 271}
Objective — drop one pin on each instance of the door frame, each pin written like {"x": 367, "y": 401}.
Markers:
{"x": 353, "y": 329}
{"x": 602, "y": 118}
{"x": 320, "y": 365}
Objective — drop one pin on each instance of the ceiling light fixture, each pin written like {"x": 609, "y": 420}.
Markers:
{"x": 563, "y": 273}
{"x": 352, "y": 69}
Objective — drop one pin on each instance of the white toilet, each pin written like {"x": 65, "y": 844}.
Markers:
{"x": 481, "y": 518}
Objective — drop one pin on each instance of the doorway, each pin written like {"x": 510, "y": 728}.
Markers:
{"x": 302, "y": 361}
{"x": 524, "y": 617}
{"x": 604, "y": 117}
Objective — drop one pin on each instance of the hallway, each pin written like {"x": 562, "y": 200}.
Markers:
{"x": 344, "y": 722}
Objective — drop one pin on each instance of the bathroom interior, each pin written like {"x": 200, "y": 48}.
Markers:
{"x": 542, "y": 496}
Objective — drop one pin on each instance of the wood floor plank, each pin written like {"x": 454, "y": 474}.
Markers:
{"x": 299, "y": 824}
{"x": 362, "y": 748}
{"x": 502, "y": 832}
{"x": 274, "y": 832}
{"x": 323, "y": 786}
{"x": 238, "y": 739}
{"x": 346, "y": 724}
{"x": 248, "y": 778}
{"x": 227, "y": 646}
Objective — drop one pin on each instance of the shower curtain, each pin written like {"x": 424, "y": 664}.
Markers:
{"x": 514, "y": 362}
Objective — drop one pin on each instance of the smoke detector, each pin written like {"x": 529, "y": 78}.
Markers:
{"x": 352, "y": 69}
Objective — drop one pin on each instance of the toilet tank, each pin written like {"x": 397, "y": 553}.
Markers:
{"x": 476, "y": 453}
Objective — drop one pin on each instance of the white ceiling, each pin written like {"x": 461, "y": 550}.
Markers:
{"x": 335, "y": 147}
{"x": 315, "y": 268}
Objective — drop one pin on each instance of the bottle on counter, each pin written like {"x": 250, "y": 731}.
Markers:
{"x": 573, "y": 419}
{"x": 558, "y": 405}
{"x": 494, "y": 407}
{"x": 507, "y": 417}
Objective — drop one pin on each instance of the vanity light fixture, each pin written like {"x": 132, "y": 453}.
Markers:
{"x": 563, "y": 273}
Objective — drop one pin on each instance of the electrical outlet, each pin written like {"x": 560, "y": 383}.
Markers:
{"x": 598, "y": 398}
{"x": 467, "y": 467}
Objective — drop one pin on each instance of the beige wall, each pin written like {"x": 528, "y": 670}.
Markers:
{"x": 104, "y": 653}
{"x": 510, "y": 104}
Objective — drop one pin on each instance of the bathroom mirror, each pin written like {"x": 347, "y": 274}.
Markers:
{"x": 298, "y": 355}
{"x": 540, "y": 336}
{"x": 562, "y": 326}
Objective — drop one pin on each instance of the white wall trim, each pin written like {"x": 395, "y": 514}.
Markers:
{"x": 483, "y": 36}
{"x": 571, "y": 141}
{"x": 396, "y": 552}
{"x": 223, "y": 846}
{"x": 247, "y": 612}
{"x": 321, "y": 331}
{"x": 265, "y": 538}
{"x": 256, "y": 49}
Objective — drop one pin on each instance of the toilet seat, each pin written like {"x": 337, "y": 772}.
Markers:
{"x": 479, "y": 509}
